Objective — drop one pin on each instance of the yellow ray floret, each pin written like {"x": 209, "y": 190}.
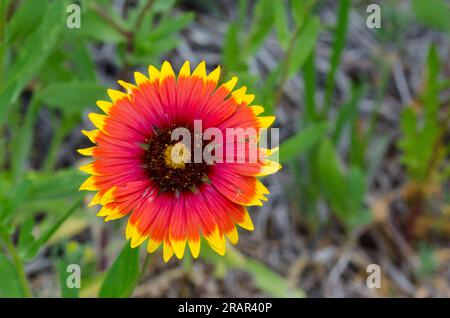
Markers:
{"x": 167, "y": 250}
{"x": 185, "y": 70}
{"x": 166, "y": 72}
{"x": 246, "y": 223}
{"x": 153, "y": 73}
{"x": 105, "y": 106}
{"x": 86, "y": 151}
{"x": 137, "y": 239}
{"x": 194, "y": 246}
{"x": 268, "y": 152}
{"x": 89, "y": 168}
{"x": 98, "y": 120}
{"x": 265, "y": 121}
{"x": 128, "y": 86}
{"x": 200, "y": 71}
{"x": 116, "y": 95}
{"x": 91, "y": 134}
{"x": 268, "y": 168}
{"x": 216, "y": 240}
{"x": 152, "y": 245}
{"x": 140, "y": 78}
{"x": 260, "y": 191}
{"x": 178, "y": 246}
{"x": 96, "y": 199}
{"x": 214, "y": 75}
{"x": 240, "y": 96}
{"x": 256, "y": 109}
{"x": 230, "y": 84}
{"x": 89, "y": 184}
{"x": 129, "y": 232}
{"x": 232, "y": 235}
{"x": 114, "y": 214}
{"x": 103, "y": 198}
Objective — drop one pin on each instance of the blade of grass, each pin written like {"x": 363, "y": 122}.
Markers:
{"x": 338, "y": 47}
{"x": 123, "y": 274}
{"x": 309, "y": 78}
{"x": 47, "y": 234}
{"x": 348, "y": 113}
{"x": 22, "y": 144}
{"x": 18, "y": 264}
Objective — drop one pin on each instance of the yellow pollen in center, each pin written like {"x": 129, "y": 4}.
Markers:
{"x": 177, "y": 155}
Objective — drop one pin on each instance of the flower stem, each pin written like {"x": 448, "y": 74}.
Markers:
{"x": 144, "y": 267}
{"x": 18, "y": 264}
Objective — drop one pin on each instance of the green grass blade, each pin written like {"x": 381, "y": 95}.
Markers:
{"x": 122, "y": 275}
{"x": 338, "y": 47}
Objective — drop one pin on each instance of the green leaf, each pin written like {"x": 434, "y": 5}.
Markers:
{"x": 345, "y": 192}
{"x": 84, "y": 67}
{"x": 356, "y": 192}
{"x": 263, "y": 19}
{"x": 25, "y": 20}
{"x": 123, "y": 274}
{"x": 281, "y": 24}
{"x": 302, "y": 141}
{"x": 162, "y": 38}
{"x": 300, "y": 9}
{"x": 8, "y": 94}
{"x": 73, "y": 97}
{"x": 15, "y": 196}
{"x": 34, "y": 248}
{"x": 304, "y": 45}
{"x": 163, "y": 5}
{"x": 434, "y": 13}
{"x": 59, "y": 185}
{"x": 9, "y": 286}
{"x": 96, "y": 28}
{"x": 26, "y": 237}
{"x": 231, "y": 47}
{"x": 29, "y": 59}
{"x": 432, "y": 78}
{"x": 332, "y": 177}
{"x": 271, "y": 282}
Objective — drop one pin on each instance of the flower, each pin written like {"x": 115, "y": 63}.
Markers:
{"x": 141, "y": 171}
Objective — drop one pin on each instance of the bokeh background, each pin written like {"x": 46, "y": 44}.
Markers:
{"x": 364, "y": 119}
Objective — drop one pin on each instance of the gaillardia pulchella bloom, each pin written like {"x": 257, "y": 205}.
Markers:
{"x": 140, "y": 170}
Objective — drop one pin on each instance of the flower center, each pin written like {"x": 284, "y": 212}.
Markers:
{"x": 177, "y": 155}
{"x": 170, "y": 163}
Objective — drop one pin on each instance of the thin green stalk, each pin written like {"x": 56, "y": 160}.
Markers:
{"x": 284, "y": 76}
{"x": 144, "y": 267}
{"x": 382, "y": 86}
{"x": 60, "y": 131}
{"x": 18, "y": 264}
{"x": 285, "y": 65}
{"x": 309, "y": 76}
{"x": 2, "y": 37}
